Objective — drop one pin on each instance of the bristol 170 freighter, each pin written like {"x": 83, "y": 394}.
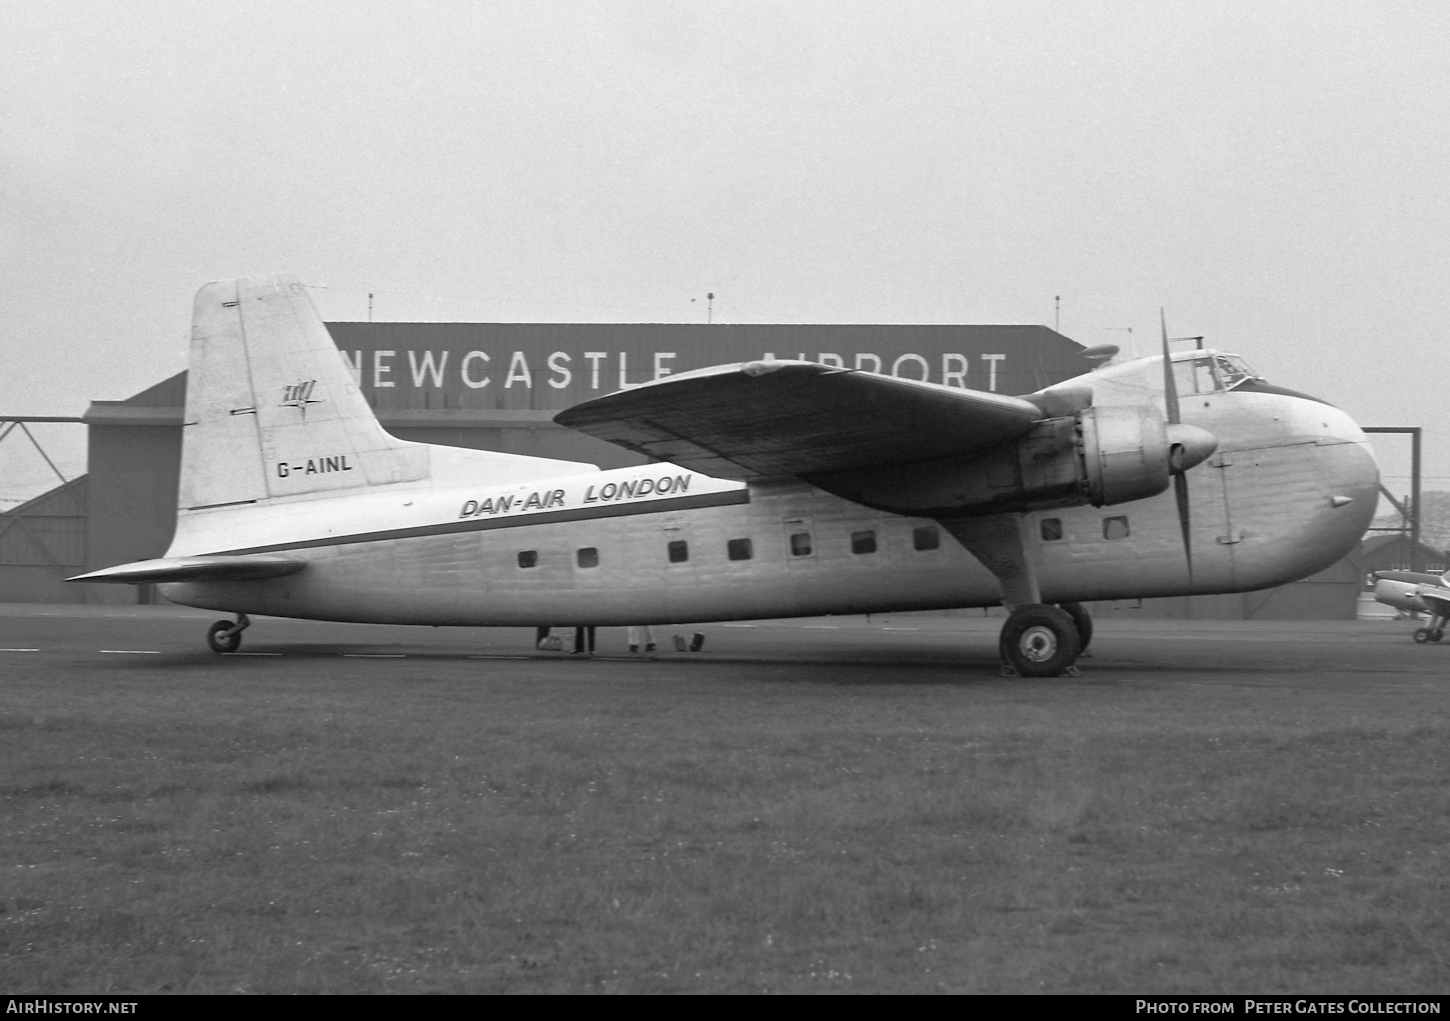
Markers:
{"x": 776, "y": 489}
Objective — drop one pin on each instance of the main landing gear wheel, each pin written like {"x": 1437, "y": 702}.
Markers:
{"x": 225, "y": 636}
{"x": 1084, "y": 622}
{"x": 1040, "y": 641}
{"x": 1424, "y": 634}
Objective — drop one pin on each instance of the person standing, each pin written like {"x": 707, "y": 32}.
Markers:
{"x": 641, "y": 634}
{"x": 584, "y": 640}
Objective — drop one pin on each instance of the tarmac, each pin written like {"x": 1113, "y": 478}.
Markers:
{"x": 927, "y": 649}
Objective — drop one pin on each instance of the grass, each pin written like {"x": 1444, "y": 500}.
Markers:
{"x": 415, "y": 829}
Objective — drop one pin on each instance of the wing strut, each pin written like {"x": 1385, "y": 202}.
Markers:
{"x": 998, "y": 543}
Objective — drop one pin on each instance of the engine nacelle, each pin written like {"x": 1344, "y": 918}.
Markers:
{"x": 1098, "y": 456}
{"x": 1125, "y": 454}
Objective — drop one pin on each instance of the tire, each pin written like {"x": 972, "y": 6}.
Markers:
{"x": 1437, "y": 634}
{"x": 1039, "y": 641}
{"x": 224, "y": 636}
{"x": 1084, "y": 622}
{"x": 1422, "y": 635}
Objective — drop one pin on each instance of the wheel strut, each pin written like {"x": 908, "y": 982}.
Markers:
{"x": 1037, "y": 640}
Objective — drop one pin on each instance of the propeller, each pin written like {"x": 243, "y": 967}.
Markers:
{"x": 1187, "y": 444}
{"x": 1170, "y": 385}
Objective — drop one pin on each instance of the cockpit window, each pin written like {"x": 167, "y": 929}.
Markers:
{"x": 1210, "y": 374}
{"x": 1204, "y": 381}
{"x": 1233, "y": 370}
{"x": 1195, "y": 376}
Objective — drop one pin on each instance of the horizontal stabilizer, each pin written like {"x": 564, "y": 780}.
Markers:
{"x": 249, "y": 568}
{"x": 773, "y": 418}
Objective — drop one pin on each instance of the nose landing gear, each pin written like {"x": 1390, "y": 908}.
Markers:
{"x": 224, "y": 636}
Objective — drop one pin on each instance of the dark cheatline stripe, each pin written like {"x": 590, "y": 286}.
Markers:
{"x": 510, "y": 521}
{"x": 209, "y": 506}
{"x": 1258, "y": 386}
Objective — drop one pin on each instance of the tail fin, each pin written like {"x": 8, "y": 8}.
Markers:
{"x": 272, "y": 408}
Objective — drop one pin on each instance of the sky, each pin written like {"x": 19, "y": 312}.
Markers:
{"x": 1270, "y": 173}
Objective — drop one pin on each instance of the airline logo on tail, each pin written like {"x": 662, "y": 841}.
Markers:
{"x": 299, "y": 395}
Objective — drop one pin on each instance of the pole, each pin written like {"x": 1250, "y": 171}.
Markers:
{"x": 1415, "y": 558}
{"x": 1412, "y": 519}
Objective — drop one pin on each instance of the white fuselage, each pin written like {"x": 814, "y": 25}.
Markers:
{"x": 1269, "y": 507}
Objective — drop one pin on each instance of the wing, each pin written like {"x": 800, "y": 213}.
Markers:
{"x": 249, "y": 568}
{"x": 1436, "y": 598}
{"x": 762, "y": 419}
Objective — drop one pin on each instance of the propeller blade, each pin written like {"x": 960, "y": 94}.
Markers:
{"x": 1170, "y": 385}
{"x": 1188, "y": 451}
{"x": 1180, "y": 494}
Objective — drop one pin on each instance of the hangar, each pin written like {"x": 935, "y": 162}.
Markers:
{"x": 497, "y": 386}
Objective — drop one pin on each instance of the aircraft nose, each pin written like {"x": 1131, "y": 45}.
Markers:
{"x": 1357, "y": 476}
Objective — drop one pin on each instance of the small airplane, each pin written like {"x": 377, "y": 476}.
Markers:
{"x": 778, "y": 489}
{"x": 1415, "y": 592}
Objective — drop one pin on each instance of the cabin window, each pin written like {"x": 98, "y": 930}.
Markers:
{"x": 800, "y": 544}
{"x": 926, "y": 537}
{"x": 739, "y": 549}
{"x": 863, "y": 542}
{"x": 1115, "y": 528}
{"x": 1051, "y": 529}
{"x": 679, "y": 551}
{"x": 529, "y": 558}
{"x": 588, "y": 556}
